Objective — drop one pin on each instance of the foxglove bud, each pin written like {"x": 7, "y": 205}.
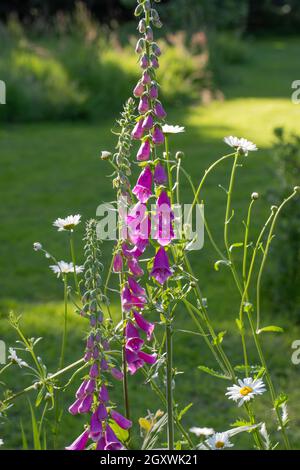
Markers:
{"x": 144, "y": 62}
{"x": 148, "y": 123}
{"x": 139, "y": 90}
{"x": 142, "y": 26}
{"x": 139, "y": 10}
{"x": 156, "y": 50}
{"x": 153, "y": 92}
{"x": 154, "y": 62}
{"x": 140, "y": 46}
{"x": 144, "y": 105}
{"x": 144, "y": 151}
{"x": 138, "y": 130}
{"x": 158, "y": 137}
{"x": 149, "y": 34}
{"x": 146, "y": 79}
{"x": 159, "y": 110}
{"x": 147, "y": 5}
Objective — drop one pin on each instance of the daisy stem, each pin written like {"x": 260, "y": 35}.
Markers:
{"x": 169, "y": 385}
{"x": 5, "y": 367}
{"x": 64, "y": 337}
{"x": 74, "y": 262}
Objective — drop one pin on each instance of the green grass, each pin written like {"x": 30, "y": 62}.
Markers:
{"x": 51, "y": 170}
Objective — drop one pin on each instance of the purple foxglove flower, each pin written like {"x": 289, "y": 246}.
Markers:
{"x": 101, "y": 412}
{"x": 103, "y": 394}
{"x": 112, "y": 442}
{"x": 134, "y": 267}
{"x": 134, "y": 344}
{"x": 160, "y": 175}
{"x": 156, "y": 50}
{"x": 149, "y": 34}
{"x": 148, "y": 123}
{"x": 138, "y": 130}
{"x": 154, "y": 62}
{"x": 86, "y": 404}
{"x": 164, "y": 216}
{"x": 81, "y": 391}
{"x": 144, "y": 151}
{"x": 90, "y": 386}
{"x": 142, "y": 26}
{"x": 140, "y": 45}
{"x": 158, "y": 137}
{"x": 93, "y": 321}
{"x": 148, "y": 358}
{"x": 161, "y": 267}
{"x": 74, "y": 408}
{"x": 80, "y": 442}
{"x": 131, "y": 331}
{"x": 135, "y": 287}
{"x": 105, "y": 345}
{"x": 90, "y": 341}
{"x": 143, "y": 187}
{"x": 153, "y": 92}
{"x": 146, "y": 79}
{"x": 129, "y": 301}
{"x": 103, "y": 364}
{"x": 123, "y": 422}
{"x": 133, "y": 361}
{"x": 96, "y": 352}
{"x": 116, "y": 373}
{"x": 94, "y": 370}
{"x": 144, "y": 62}
{"x": 88, "y": 356}
{"x": 95, "y": 424}
{"x": 144, "y": 105}
{"x": 144, "y": 324}
{"x": 138, "y": 223}
{"x": 139, "y": 90}
{"x": 137, "y": 250}
{"x": 101, "y": 444}
{"x": 159, "y": 111}
{"x": 118, "y": 263}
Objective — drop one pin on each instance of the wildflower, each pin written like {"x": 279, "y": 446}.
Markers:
{"x": 144, "y": 151}
{"x": 37, "y": 246}
{"x": 246, "y": 390}
{"x": 143, "y": 188}
{"x": 138, "y": 90}
{"x": 134, "y": 267}
{"x": 219, "y": 441}
{"x": 146, "y": 79}
{"x": 153, "y": 92}
{"x": 144, "y": 105}
{"x": 116, "y": 373}
{"x": 130, "y": 301}
{"x": 148, "y": 123}
{"x": 167, "y": 129}
{"x": 118, "y": 263}
{"x": 164, "y": 217}
{"x": 138, "y": 130}
{"x": 144, "y": 62}
{"x": 202, "y": 431}
{"x": 65, "y": 268}
{"x": 105, "y": 155}
{"x": 143, "y": 324}
{"x": 243, "y": 145}
{"x": 161, "y": 270}
{"x": 80, "y": 442}
{"x": 123, "y": 422}
{"x": 111, "y": 440}
{"x": 160, "y": 175}
{"x": 159, "y": 111}
{"x": 135, "y": 287}
{"x": 158, "y": 137}
{"x": 103, "y": 393}
{"x": 14, "y": 358}
{"x": 69, "y": 223}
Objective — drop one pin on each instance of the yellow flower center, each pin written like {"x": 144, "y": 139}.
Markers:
{"x": 245, "y": 391}
{"x": 69, "y": 227}
{"x": 219, "y": 445}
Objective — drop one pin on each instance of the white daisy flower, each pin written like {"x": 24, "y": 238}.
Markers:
{"x": 37, "y": 246}
{"x": 167, "y": 129}
{"x": 219, "y": 441}
{"x": 243, "y": 145}
{"x": 246, "y": 390}
{"x": 202, "y": 431}
{"x": 14, "y": 358}
{"x": 69, "y": 223}
{"x": 65, "y": 268}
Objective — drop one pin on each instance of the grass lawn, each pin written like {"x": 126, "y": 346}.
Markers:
{"x": 52, "y": 170}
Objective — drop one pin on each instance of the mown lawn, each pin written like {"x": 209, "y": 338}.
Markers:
{"x": 51, "y": 170}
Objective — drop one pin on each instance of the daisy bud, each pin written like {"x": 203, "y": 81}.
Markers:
{"x": 254, "y": 196}
{"x": 149, "y": 34}
{"x": 139, "y": 90}
{"x": 37, "y": 246}
{"x": 105, "y": 155}
{"x": 140, "y": 46}
{"x": 274, "y": 209}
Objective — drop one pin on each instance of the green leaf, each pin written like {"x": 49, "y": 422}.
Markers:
{"x": 185, "y": 410}
{"x": 213, "y": 372}
{"x": 24, "y": 438}
{"x": 35, "y": 431}
{"x": 240, "y": 422}
{"x": 280, "y": 400}
{"x": 271, "y": 328}
{"x": 121, "y": 434}
{"x": 220, "y": 262}
{"x": 219, "y": 338}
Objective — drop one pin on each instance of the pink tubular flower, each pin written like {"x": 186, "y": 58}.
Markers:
{"x": 160, "y": 175}
{"x": 138, "y": 130}
{"x": 101, "y": 444}
{"x": 148, "y": 123}
{"x": 95, "y": 425}
{"x": 118, "y": 263}
{"x": 90, "y": 386}
{"x": 111, "y": 440}
{"x": 94, "y": 370}
{"x": 81, "y": 391}
{"x": 144, "y": 324}
{"x": 134, "y": 267}
{"x": 146, "y": 79}
{"x": 144, "y": 62}
{"x": 133, "y": 361}
{"x": 144, "y": 105}
{"x": 139, "y": 90}
{"x": 86, "y": 404}
{"x": 80, "y": 442}
{"x": 164, "y": 217}
{"x": 153, "y": 92}
{"x": 116, "y": 373}
{"x": 103, "y": 394}
{"x": 129, "y": 301}
{"x": 101, "y": 412}
{"x": 161, "y": 270}
{"x": 154, "y": 62}
{"x": 143, "y": 188}
{"x": 158, "y": 137}
{"x": 144, "y": 151}
{"x": 159, "y": 111}
{"x": 148, "y": 358}
{"x": 133, "y": 340}
{"x": 135, "y": 287}
{"x": 123, "y": 422}
{"x": 74, "y": 408}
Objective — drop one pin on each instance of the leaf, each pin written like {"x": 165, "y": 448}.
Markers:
{"x": 24, "y": 438}
{"x": 271, "y": 328}
{"x": 213, "y": 372}
{"x": 280, "y": 400}
{"x": 35, "y": 432}
{"x": 185, "y": 410}
{"x": 122, "y": 434}
{"x": 219, "y": 338}
{"x": 220, "y": 262}
{"x": 235, "y": 245}
{"x": 240, "y": 422}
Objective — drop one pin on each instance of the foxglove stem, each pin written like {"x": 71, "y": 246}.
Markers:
{"x": 124, "y": 362}
{"x": 169, "y": 168}
{"x": 64, "y": 337}
{"x": 74, "y": 262}
{"x": 169, "y": 385}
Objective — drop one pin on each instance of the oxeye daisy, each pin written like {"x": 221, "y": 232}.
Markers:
{"x": 243, "y": 145}
{"x": 219, "y": 441}
{"x": 69, "y": 223}
{"x": 246, "y": 390}
{"x": 167, "y": 129}
{"x": 202, "y": 431}
{"x": 65, "y": 268}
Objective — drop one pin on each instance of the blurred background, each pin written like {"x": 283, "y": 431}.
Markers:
{"x": 227, "y": 68}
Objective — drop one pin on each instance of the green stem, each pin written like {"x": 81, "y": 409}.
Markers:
{"x": 169, "y": 380}
{"x": 64, "y": 337}
{"x": 245, "y": 253}
{"x": 72, "y": 249}
{"x": 6, "y": 367}
{"x": 124, "y": 363}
